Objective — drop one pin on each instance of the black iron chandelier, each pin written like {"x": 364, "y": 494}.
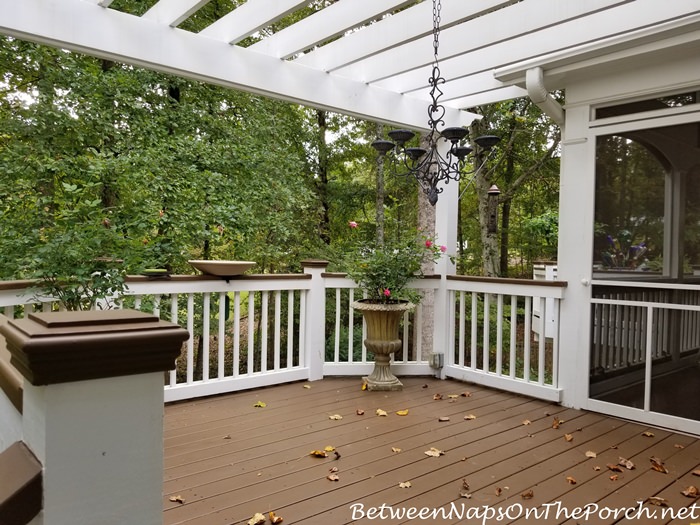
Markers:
{"x": 427, "y": 165}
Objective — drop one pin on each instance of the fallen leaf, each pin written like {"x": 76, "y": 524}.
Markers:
{"x": 424, "y": 386}
{"x": 658, "y": 465}
{"x": 329, "y": 448}
{"x": 691, "y": 492}
{"x": 333, "y": 469}
{"x": 395, "y": 450}
{"x": 257, "y": 519}
{"x": 465, "y": 484}
{"x": 307, "y": 387}
{"x": 337, "y": 454}
{"x": 556, "y": 422}
{"x": 437, "y": 397}
{"x": 696, "y": 472}
{"x": 402, "y": 412}
{"x": 443, "y": 419}
{"x": 405, "y": 484}
{"x": 177, "y": 499}
{"x": 648, "y": 434}
{"x": 626, "y": 463}
{"x": 333, "y": 476}
{"x": 596, "y": 468}
{"x": 433, "y": 452}
{"x": 679, "y": 446}
{"x": 463, "y": 459}
{"x": 260, "y": 404}
{"x": 453, "y": 396}
{"x": 335, "y": 417}
{"x": 571, "y": 480}
{"x": 275, "y": 519}
{"x": 568, "y": 437}
{"x": 528, "y": 494}
{"x": 360, "y": 412}
{"x": 614, "y": 477}
{"x": 591, "y": 454}
{"x": 227, "y": 436}
{"x": 656, "y": 500}
{"x": 318, "y": 453}
{"x": 364, "y": 386}
{"x": 466, "y": 394}
{"x": 498, "y": 491}
{"x": 470, "y": 417}
{"x": 614, "y": 468}
{"x": 465, "y": 495}
{"x": 381, "y": 412}
{"x": 527, "y": 422}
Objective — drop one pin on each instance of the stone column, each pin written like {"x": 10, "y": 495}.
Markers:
{"x": 93, "y": 411}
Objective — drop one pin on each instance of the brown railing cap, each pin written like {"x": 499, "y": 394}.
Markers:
{"x": 58, "y": 347}
{"x": 20, "y": 485}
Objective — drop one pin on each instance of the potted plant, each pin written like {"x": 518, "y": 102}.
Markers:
{"x": 383, "y": 272}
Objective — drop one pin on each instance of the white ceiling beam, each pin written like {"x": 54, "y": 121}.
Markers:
{"x": 249, "y": 18}
{"x": 487, "y": 97}
{"x": 81, "y": 26}
{"x": 405, "y": 26}
{"x": 621, "y": 22}
{"x": 475, "y": 35}
{"x": 174, "y": 12}
{"x": 325, "y": 25}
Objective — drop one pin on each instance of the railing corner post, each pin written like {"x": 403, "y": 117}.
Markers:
{"x": 315, "y": 329}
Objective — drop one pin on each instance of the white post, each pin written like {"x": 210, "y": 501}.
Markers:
{"x": 93, "y": 411}
{"x": 315, "y": 329}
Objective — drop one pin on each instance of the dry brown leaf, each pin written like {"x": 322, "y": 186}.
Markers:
{"x": 696, "y": 472}
{"x": 227, "y": 436}
{"x": 648, "y": 434}
{"x": 177, "y": 499}
{"x": 591, "y": 454}
{"x": 527, "y": 422}
{"x": 360, "y": 412}
{"x": 465, "y": 484}
{"x": 307, "y": 386}
{"x": 395, "y": 450}
{"x": 679, "y": 446}
{"x": 402, "y": 412}
{"x": 614, "y": 477}
{"x": 337, "y": 454}
{"x": 405, "y": 484}
{"x": 626, "y": 463}
{"x": 569, "y": 438}
{"x": 275, "y": 519}
{"x": 498, "y": 491}
{"x": 466, "y": 495}
{"x": 466, "y": 394}
{"x": 424, "y": 386}
{"x": 528, "y": 494}
{"x": 434, "y": 452}
{"x": 437, "y": 397}
{"x": 333, "y": 476}
{"x": 257, "y": 519}
{"x": 381, "y": 412}
{"x": 453, "y": 396}
{"x": 596, "y": 468}
{"x": 443, "y": 419}
{"x": 656, "y": 500}
{"x": 691, "y": 492}
{"x": 556, "y": 423}
{"x": 318, "y": 453}
{"x": 614, "y": 468}
{"x": 658, "y": 465}
{"x": 333, "y": 469}
{"x": 470, "y": 417}
{"x": 335, "y": 417}
{"x": 571, "y": 480}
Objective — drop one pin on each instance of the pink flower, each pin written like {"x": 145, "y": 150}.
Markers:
{"x": 387, "y": 293}
{"x": 428, "y": 243}
{"x": 352, "y": 224}
{"x": 443, "y": 248}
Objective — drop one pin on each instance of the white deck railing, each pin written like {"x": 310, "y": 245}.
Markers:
{"x": 259, "y": 330}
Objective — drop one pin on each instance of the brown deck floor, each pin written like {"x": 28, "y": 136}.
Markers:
{"x": 227, "y": 459}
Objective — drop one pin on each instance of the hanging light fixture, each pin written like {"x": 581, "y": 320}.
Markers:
{"x": 427, "y": 165}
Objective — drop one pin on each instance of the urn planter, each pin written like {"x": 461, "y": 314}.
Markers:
{"x": 382, "y": 321}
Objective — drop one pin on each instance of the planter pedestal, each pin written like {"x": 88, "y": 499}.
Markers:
{"x": 382, "y": 321}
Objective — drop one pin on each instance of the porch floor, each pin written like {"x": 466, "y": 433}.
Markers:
{"x": 227, "y": 459}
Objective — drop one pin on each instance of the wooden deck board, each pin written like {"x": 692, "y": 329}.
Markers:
{"x": 228, "y": 459}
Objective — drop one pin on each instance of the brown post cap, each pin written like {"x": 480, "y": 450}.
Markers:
{"x": 20, "y": 485}
{"x": 59, "y": 347}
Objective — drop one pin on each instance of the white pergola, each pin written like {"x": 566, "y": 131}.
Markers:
{"x": 370, "y": 58}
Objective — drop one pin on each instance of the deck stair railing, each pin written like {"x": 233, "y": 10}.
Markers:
{"x": 259, "y": 330}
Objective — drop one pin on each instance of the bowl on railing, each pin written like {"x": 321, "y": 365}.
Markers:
{"x": 223, "y": 269}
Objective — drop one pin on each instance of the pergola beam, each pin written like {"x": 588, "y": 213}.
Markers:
{"x": 106, "y": 33}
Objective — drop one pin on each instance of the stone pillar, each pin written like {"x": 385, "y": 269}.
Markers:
{"x": 93, "y": 411}
{"x": 315, "y": 326}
